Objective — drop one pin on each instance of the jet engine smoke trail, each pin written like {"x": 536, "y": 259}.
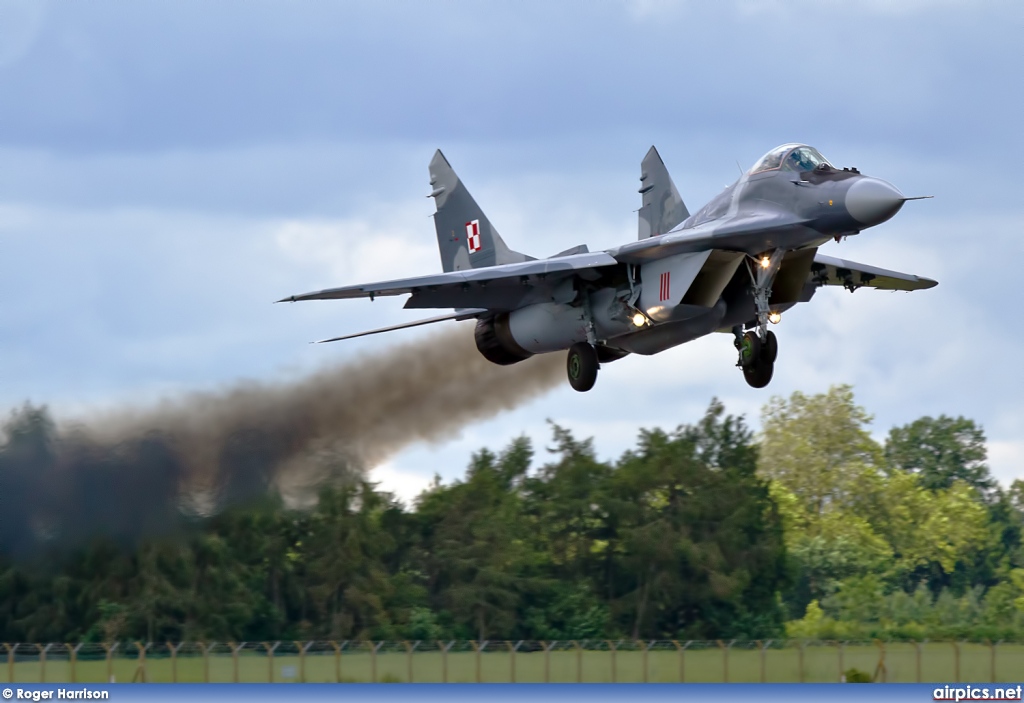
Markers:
{"x": 129, "y": 471}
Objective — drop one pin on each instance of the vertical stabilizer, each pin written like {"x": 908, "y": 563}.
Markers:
{"x": 465, "y": 237}
{"x": 663, "y": 208}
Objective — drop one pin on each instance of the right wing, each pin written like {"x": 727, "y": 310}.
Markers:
{"x": 503, "y": 287}
{"x": 830, "y": 271}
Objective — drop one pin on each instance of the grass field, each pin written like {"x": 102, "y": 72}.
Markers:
{"x": 903, "y": 662}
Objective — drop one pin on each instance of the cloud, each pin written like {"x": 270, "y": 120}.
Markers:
{"x": 1006, "y": 460}
{"x": 153, "y": 202}
{"x": 406, "y": 486}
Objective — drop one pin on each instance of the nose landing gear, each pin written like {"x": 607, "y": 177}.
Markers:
{"x": 758, "y": 350}
{"x": 757, "y": 357}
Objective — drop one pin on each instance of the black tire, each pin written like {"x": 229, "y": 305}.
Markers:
{"x": 750, "y": 350}
{"x": 770, "y": 348}
{"x": 760, "y": 374}
{"x": 581, "y": 366}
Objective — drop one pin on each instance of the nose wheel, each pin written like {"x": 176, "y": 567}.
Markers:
{"x": 581, "y": 366}
{"x": 757, "y": 357}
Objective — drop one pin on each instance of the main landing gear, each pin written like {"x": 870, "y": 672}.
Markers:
{"x": 581, "y": 366}
{"x": 759, "y": 349}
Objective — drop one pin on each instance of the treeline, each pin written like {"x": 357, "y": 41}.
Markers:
{"x": 811, "y": 529}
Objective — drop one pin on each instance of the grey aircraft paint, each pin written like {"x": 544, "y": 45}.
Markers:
{"x": 662, "y": 208}
{"x": 465, "y": 237}
{"x": 748, "y": 255}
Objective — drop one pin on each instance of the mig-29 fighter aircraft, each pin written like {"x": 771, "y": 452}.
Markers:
{"x": 737, "y": 263}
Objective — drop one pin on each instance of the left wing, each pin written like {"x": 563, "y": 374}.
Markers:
{"x": 503, "y": 287}
{"x": 830, "y": 271}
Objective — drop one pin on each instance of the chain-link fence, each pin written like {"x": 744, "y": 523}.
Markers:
{"x": 526, "y": 662}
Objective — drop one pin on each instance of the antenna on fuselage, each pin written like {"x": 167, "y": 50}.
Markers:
{"x": 740, "y": 168}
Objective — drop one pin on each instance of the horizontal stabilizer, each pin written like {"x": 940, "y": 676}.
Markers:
{"x": 457, "y": 315}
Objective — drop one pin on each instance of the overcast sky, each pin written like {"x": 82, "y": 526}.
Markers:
{"x": 168, "y": 169}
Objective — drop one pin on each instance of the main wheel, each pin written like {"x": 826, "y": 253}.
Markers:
{"x": 770, "y": 347}
{"x": 581, "y": 366}
{"x": 750, "y": 350}
{"x": 759, "y": 374}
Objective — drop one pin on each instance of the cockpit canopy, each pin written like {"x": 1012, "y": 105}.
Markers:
{"x": 791, "y": 157}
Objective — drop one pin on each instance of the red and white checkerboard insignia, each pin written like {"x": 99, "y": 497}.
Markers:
{"x": 473, "y": 236}
{"x": 666, "y": 286}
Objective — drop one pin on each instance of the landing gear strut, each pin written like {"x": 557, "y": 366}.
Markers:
{"x": 581, "y": 366}
{"x": 758, "y": 350}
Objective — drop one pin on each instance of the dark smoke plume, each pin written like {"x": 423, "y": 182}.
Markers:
{"x": 136, "y": 471}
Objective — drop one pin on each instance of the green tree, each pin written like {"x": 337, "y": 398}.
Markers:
{"x": 701, "y": 540}
{"x": 941, "y": 451}
{"x": 818, "y": 448}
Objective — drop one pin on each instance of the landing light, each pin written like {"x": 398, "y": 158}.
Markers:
{"x": 765, "y": 262}
{"x": 774, "y": 317}
{"x": 639, "y": 319}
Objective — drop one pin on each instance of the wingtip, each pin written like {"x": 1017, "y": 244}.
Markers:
{"x": 289, "y": 299}
{"x": 439, "y": 155}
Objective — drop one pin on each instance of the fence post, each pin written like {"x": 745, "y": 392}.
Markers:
{"x": 992, "y": 647}
{"x": 375, "y": 647}
{"x": 140, "y": 666}
{"x": 880, "y": 670}
{"x": 303, "y": 648}
{"x": 725, "y": 659}
{"x": 611, "y": 648}
{"x": 73, "y": 656}
{"x": 270, "y": 660}
{"x": 547, "y": 660}
{"x": 42, "y": 661}
{"x": 579, "y": 661}
{"x": 110, "y": 662}
{"x": 682, "y": 672}
{"x": 956, "y": 659}
{"x": 801, "y": 660}
{"x": 235, "y": 651}
{"x": 10, "y": 661}
{"x": 512, "y": 657}
{"x": 444, "y": 659}
{"x": 174, "y": 660}
{"x": 760, "y": 655}
{"x": 337, "y": 661}
{"x": 207, "y": 650}
{"x": 408, "y": 657}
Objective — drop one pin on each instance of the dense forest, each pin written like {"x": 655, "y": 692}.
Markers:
{"x": 810, "y": 528}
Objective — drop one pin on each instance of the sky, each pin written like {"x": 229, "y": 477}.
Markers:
{"x": 169, "y": 169}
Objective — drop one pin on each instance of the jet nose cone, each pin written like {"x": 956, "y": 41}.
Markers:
{"x": 872, "y": 201}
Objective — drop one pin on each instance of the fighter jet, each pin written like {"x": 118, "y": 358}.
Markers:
{"x": 735, "y": 265}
